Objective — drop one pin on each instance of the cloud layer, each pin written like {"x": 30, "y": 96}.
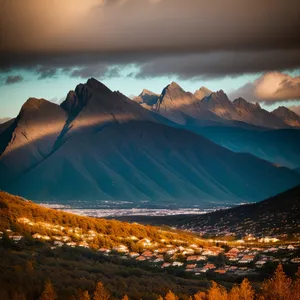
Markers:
{"x": 188, "y": 38}
{"x": 13, "y": 79}
{"x": 269, "y": 88}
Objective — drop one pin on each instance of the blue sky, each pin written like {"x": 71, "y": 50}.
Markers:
{"x": 55, "y": 89}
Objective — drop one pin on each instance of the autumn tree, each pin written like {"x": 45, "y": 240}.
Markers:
{"x": 244, "y": 291}
{"x": 278, "y": 287}
{"x": 160, "y": 297}
{"x": 48, "y": 292}
{"x": 295, "y": 290}
{"x": 101, "y": 293}
{"x": 200, "y": 296}
{"x": 83, "y": 295}
{"x": 171, "y": 296}
{"x": 125, "y": 298}
{"x": 217, "y": 292}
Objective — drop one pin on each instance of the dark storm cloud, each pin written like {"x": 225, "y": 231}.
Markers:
{"x": 216, "y": 64}
{"x": 188, "y": 38}
{"x": 13, "y": 79}
{"x": 46, "y": 71}
{"x": 99, "y": 70}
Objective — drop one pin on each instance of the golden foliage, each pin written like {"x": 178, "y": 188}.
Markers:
{"x": 278, "y": 287}
{"x": 171, "y": 296}
{"x": 101, "y": 293}
{"x": 217, "y": 292}
{"x": 48, "y": 292}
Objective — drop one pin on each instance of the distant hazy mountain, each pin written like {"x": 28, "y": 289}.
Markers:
{"x": 3, "y": 120}
{"x": 101, "y": 145}
{"x": 255, "y": 115}
{"x": 280, "y": 147}
{"x": 287, "y": 116}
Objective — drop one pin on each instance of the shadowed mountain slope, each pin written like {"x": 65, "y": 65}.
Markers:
{"x": 100, "y": 145}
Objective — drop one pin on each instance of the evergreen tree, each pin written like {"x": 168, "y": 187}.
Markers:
{"x": 242, "y": 292}
{"x": 295, "y": 291}
{"x": 217, "y": 292}
{"x": 200, "y": 296}
{"x": 278, "y": 287}
{"x": 48, "y": 292}
{"x": 83, "y": 295}
{"x": 101, "y": 293}
{"x": 171, "y": 296}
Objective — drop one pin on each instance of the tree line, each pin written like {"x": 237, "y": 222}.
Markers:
{"x": 278, "y": 287}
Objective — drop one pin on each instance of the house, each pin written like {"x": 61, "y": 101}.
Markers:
{"x": 260, "y": 263}
{"x": 268, "y": 240}
{"x": 84, "y": 244}
{"x": 165, "y": 265}
{"x": 158, "y": 259}
{"x": 171, "y": 251}
{"x": 16, "y": 238}
{"x": 121, "y": 248}
{"x": 58, "y": 243}
{"x": 209, "y": 266}
{"x": 65, "y": 238}
{"x": 71, "y": 244}
{"x": 209, "y": 252}
{"x": 196, "y": 258}
{"x": 141, "y": 258}
{"x": 104, "y": 250}
{"x": 188, "y": 251}
{"x": 246, "y": 259}
{"x": 295, "y": 260}
{"x": 191, "y": 266}
{"x": 177, "y": 264}
{"x": 148, "y": 254}
{"x": 134, "y": 254}
{"x": 41, "y": 237}
{"x": 290, "y": 247}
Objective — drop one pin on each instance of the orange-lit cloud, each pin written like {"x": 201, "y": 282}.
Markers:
{"x": 270, "y": 87}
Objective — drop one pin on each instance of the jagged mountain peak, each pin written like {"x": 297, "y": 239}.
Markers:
{"x": 202, "y": 92}
{"x": 241, "y": 103}
{"x": 284, "y": 110}
{"x": 147, "y": 92}
{"x": 173, "y": 86}
{"x": 96, "y": 85}
{"x": 287, "y": 115}
{"x": 34, "y": 103}
{"x": 205, "y": 90}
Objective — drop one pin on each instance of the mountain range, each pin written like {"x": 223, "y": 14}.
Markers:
{"x": 100, "y": 145}
{"x": 239, "y": 126}
{"x": 179, "y": 106}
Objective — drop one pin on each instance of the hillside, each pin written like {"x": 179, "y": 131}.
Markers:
{"x": 38, "y": 244}
{"x": 100, "y": 145}
{"x": 279, "y": 215}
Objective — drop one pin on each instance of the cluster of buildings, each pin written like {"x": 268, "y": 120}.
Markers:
{"x": 241, "y": 258}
